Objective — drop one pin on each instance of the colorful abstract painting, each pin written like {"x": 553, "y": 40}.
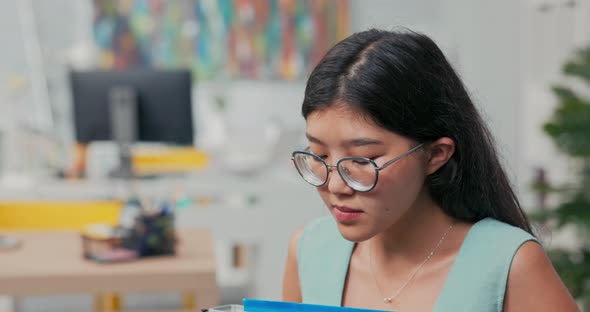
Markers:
{"x": 220, "y": 39}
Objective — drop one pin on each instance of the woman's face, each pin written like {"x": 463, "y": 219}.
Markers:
{"x": 337, "y": 132}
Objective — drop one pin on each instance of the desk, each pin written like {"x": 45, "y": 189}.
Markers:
{"x": 283, "y": 204}
{"x": 52, "y": 263}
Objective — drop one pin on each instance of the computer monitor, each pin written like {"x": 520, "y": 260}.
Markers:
{"x": 163, "y": 104}
{"x": 132, "y": 105}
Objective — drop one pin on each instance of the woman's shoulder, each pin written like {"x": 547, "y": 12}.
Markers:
{"x": 495, "y": 223}
{"x": 532, "y": 276}
{"x": 493, "y": 243}
{"x": 477, "y": 280}
{"x": 498, "y": 232}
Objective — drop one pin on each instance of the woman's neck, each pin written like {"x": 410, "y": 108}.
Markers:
{"x": 414, "y": 235}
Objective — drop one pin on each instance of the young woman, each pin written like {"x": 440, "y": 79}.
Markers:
{"x": 423, "y": 217}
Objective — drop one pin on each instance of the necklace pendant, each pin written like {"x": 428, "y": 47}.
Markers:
{"x": 388, "y": 300}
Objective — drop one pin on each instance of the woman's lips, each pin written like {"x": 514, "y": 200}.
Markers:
{"x": 346, "y": 214}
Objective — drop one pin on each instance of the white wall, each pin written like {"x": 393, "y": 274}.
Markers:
{"x": 12, "y": 58}
{"x": 488, "y": 61}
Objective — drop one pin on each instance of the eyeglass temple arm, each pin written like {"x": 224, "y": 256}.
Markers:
{"x": 385, "y": 165}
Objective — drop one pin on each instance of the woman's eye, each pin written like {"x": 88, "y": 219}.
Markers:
{"x": 361, "y": 162}
{"x": 319, "y": 155}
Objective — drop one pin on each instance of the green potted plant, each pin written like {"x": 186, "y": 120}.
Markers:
{"x": 569, "y": 128}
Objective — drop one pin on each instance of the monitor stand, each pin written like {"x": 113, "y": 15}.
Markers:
{"x": 123, "y": 116}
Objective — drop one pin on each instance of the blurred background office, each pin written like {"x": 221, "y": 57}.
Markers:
{"x": 208, "y": 110}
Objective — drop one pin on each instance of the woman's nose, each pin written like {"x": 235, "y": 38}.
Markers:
{"x": 336, "y": 184}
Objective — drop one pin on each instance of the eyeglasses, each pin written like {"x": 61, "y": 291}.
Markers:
{"x": 359, "y": 173}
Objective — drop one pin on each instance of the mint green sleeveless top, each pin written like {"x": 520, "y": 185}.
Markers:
{"x": 476, "y": 281}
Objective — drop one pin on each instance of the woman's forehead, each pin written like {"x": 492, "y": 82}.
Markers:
{"x": 340, "y": 115}
{"x": 338, "y": 124}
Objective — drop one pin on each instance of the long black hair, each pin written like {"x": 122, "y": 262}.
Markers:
{"x": 402, "y": 81}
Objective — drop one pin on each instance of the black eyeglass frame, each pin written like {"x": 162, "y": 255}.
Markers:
{"x": 338, "y": 167}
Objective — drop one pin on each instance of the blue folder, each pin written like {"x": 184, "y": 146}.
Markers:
{"x": 253, "y": 305}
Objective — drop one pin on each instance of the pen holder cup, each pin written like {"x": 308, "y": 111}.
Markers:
{"x": 153, "y": 236}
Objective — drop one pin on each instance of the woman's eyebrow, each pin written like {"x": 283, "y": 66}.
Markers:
{"x": 362, "y": 142}
{"x": 313, "y": 139}
{"x": 356, "y": 142}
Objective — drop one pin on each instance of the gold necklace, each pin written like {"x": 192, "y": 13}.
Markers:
{"x": 397, "y": 293}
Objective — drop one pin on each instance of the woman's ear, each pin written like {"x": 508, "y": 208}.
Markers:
{"x": 440, "y": 151}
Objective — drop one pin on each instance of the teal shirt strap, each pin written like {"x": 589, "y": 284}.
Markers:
{"x": 323, "y": 259}
{"x": 478, "y": 278}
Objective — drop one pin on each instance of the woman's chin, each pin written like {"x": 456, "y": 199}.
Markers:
{"x": 354, "y": 233}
